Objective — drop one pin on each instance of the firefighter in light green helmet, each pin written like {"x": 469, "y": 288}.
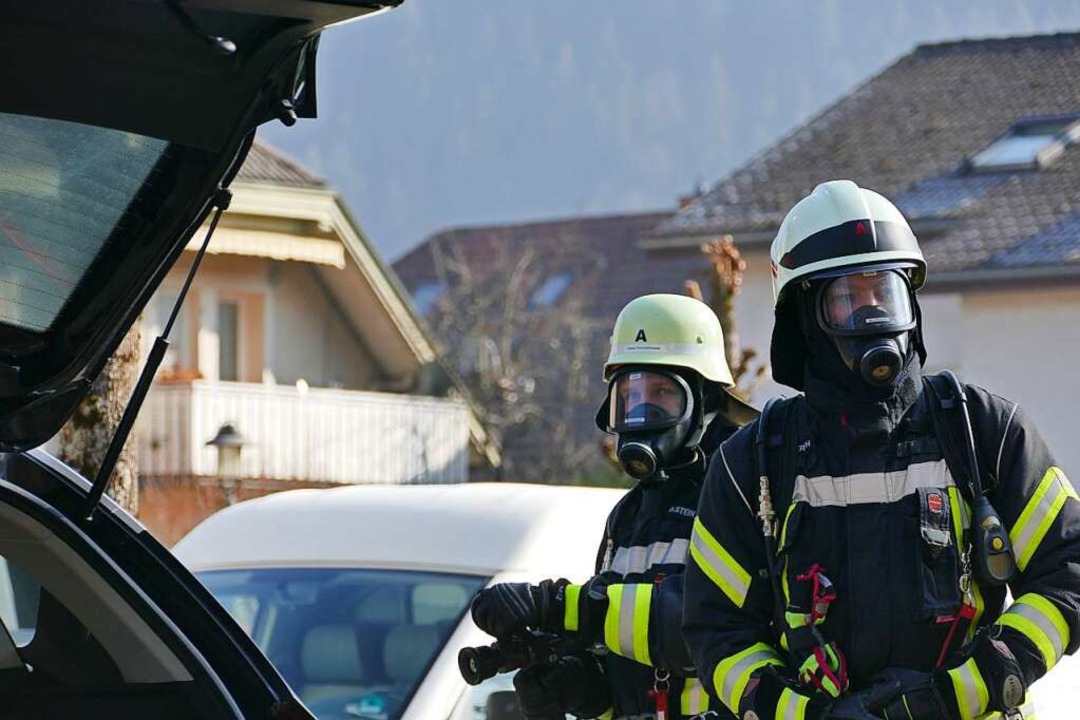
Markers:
{"x": 668, "y": 404}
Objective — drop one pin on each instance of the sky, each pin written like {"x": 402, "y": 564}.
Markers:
{"x": 449, "y": 113}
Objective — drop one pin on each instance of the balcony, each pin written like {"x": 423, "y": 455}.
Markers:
{"x": 314, "y": 434}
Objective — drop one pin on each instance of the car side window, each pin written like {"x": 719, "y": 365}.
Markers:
{"x": 19, "y": 595}
{"x": 47, "y": 636}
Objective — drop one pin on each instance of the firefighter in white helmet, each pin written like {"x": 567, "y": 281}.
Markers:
{"x": 668, "y": 405}
{"x": 854, "y": 545}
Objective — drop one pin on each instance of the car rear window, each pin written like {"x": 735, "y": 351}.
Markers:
{"x": 351, "y": 643}
{"x": 64, "y": 190}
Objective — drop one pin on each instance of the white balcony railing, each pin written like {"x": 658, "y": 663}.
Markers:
{"x": 314, "y": 434}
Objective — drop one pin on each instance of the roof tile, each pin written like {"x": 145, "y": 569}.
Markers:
{"x": 907, "y": 132}
{"x": 266, "y": 164}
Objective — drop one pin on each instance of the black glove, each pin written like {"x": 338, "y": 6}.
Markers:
{"x": 933, "y": 696}
{"x": 864, "y": 704}
{"x": 509, "y": 608}
{"x": 1005, "y": 682}
{"x": 575, "y": 684}
{"x": 922, "y": 696}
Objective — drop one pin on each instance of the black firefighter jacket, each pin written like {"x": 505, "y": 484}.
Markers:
{"x": 643, "y": 558}
{"x": 871, "y": 500}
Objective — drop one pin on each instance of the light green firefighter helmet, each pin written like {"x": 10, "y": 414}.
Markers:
{"x": 672, "y": 330}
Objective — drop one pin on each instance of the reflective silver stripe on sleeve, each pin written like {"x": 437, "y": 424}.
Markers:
{"x": 1036, "y": 617}
{"x": 739, "y": 670}
{"x": 865, "y": 488}
{"x": 694, "y": 701}
{"x": 639, "y": 558}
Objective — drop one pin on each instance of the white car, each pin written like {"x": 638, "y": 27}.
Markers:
{"x": 359, "y": 595}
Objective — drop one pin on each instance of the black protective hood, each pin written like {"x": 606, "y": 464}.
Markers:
{"x": 789, "y": 352}
{"x": 122, "y": 120}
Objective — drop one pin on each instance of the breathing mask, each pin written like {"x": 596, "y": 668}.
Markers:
{"x": 656, "y": 415}
{"x": 868, "y": 315}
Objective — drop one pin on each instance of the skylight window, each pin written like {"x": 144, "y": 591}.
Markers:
{"x": 1029, "y": 144}
{"x": 551, "y": 290}
{"x": 425, "y": 296}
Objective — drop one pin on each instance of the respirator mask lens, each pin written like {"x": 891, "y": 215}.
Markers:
{"x": 646, "y": 400}
{"x": 873, "y": 302}
{"x": 868, "y": 315}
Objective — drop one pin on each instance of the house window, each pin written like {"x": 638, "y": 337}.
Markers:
{"x": 178, "y": 357}
{"x": 550, "y": 291}
{"x": 1029, "y": 144}
{"x": 425, "y": 297}
{"x": 228, "y": 341}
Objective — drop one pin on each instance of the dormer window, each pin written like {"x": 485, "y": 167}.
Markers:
{"x": 550, "y": 291}
{"x": 1028, "y": 145}
{"x": 425, "y": 297}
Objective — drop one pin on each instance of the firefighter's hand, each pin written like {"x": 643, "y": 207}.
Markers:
{"x": 986, "y": 678}
{"x": 922, "y": 696}
{"x": 575, "y": 684}
{"x": 865, "y": 704}
{"x": 506, "y": 609}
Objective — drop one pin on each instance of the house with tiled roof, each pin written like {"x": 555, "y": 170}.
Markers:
{"x": 298, "y": 337}
{"x": 542, "y": 296}
{"x": 976, "y": 142}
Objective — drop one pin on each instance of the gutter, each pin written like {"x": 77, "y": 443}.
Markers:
{"x": 749, "y": 238}
{"x": 1042, "y": 276}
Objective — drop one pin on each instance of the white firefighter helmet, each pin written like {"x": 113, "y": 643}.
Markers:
{"x": 838, "y": 226}
{"x": 838, "y": 229}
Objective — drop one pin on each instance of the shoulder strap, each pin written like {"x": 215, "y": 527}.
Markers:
{"x": 788, "y": 442}
{"x": 777, "y": 420}
{"x": 947, "y": 418}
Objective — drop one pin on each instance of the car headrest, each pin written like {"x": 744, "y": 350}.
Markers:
{"x": 384, "y": 605}
{"x": 408, "y": 650}
{"x": 331, "y": 654}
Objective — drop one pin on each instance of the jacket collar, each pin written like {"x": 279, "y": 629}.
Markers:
{"x": 861, "y": 413}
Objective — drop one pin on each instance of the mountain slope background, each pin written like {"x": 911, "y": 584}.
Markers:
{"x": 462, "y": 112}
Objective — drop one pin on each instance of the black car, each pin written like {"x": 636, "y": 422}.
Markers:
{"x": 121, "y": 124}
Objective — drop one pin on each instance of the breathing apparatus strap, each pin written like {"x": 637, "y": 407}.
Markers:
{"x": 944, "y": 409}
{"x": 766, "y": 515}
{"x": 993, "y": 560}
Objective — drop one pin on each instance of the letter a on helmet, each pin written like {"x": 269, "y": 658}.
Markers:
{"x": 672, "y": 330}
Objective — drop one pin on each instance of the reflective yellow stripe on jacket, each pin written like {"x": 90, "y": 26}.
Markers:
{"x": 1039, "y": 514}
{"x": 626, "y": 624}
{"x": 718, "y": 564}
{"x": 693, "y": 700}
{"x": 733, "y": 673}
{"x": 971, "y": 693}
{"x": 972, "y": 696}
{"x": 570, "y": 608}
{"x": 1040, "y": 621}
{"x": 791, "y": 706}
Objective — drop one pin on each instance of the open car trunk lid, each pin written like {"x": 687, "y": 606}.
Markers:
{"x": 120, "y": 123}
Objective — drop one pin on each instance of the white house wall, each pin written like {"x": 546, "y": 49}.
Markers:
{"x": 310, "y": 339}
{"x": 754, "y": 312}
{"x": 1023, "y": 345}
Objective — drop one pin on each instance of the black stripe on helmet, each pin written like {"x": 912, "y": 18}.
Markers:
{"x": 856, "y": 237}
